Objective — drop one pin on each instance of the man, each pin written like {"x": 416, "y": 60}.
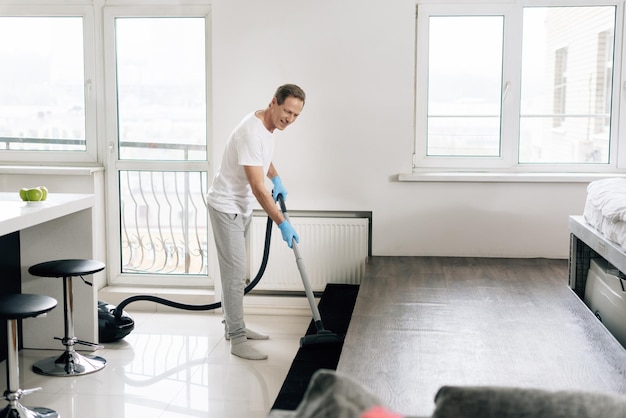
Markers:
{"x": 239, "y": 181}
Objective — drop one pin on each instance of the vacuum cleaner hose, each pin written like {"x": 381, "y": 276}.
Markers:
{"x": 266, "y": 253}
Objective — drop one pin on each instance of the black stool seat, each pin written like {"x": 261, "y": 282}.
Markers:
{"x": 64, "y": 268}
{"x": 23, "y": 305}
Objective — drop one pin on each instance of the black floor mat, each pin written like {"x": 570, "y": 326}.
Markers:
{"x": 335, "y": 306}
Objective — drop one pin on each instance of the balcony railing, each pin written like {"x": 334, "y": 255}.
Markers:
{"x": 164, "y": 222}
{"x": 164, "y": 216}
{"x": 41, "y": 144}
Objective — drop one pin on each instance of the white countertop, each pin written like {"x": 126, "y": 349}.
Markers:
{"x": 16, "y": 215}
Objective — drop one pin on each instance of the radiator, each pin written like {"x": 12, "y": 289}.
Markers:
{"x": 333, "y": 250}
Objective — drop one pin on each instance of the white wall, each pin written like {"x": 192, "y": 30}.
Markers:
{"x": 355, "y": 60}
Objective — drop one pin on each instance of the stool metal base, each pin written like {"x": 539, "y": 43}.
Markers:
{"x": 70, "y": 363}
{"x": 17, "y": 410}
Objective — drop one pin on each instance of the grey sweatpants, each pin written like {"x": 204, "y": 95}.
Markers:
{"x": 230, "y": 231}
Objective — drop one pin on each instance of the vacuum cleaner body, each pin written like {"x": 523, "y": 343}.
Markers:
{"x": 110, "y": 327}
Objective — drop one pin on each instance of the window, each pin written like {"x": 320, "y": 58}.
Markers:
{"x": 464, "y": 86}
{"x": 508, "y": 87}
{"x": 158, "y": 123}
{"x": 161, "y": 94}
{"x": 46, "y": 75}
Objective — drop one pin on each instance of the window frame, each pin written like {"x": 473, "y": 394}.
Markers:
{"x": 114, "y": 165}
{"x": 91, "y": 82}
{"x": 507, "y": 162}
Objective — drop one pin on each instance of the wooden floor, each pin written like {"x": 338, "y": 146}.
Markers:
{"x": 423, "y": 322}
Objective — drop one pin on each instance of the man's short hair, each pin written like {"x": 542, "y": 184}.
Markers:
{"x": 289, "y": 90}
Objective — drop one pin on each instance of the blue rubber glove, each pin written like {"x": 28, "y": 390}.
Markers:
{"x": 289, "y": 234}
{"x": 278, "y": 189}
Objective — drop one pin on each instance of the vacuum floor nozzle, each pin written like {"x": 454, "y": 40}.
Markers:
{"x": 321, "y": 337}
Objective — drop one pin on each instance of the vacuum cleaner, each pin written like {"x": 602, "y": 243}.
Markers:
{"x": 114, "y": 323}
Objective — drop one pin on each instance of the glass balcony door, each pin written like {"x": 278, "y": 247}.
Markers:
{"x": 157, "y": 125}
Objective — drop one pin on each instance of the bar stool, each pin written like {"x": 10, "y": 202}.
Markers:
{"x": 70, "y": 363}
{"x": 14, "y": 307}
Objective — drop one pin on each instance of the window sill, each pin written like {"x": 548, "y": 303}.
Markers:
{"x": 495, "y": 177}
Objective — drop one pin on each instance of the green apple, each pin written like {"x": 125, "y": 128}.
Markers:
{"x": 34, "y": 195}
{"x": 44, "y": 192}
{"x": 24, "y": 194}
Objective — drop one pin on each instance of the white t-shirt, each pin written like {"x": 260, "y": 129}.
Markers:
{"x": 250, "y": 144}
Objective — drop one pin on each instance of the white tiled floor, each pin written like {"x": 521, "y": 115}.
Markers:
{"x": 172, "y": 365}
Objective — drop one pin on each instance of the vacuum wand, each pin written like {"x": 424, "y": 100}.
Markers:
{"x": 323, "y": 336}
